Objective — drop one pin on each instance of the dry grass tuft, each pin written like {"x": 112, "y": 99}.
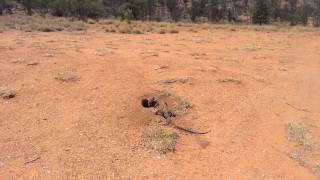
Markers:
{"x": 299, "y": 156}
{"x": 162, "y": 31}
{"x": 162, "y": 140}
{"x": 106, "y": 22}
{"x": 91, "y": 21}
{"x": 173, "y": 31}
{"x": 110, "y": 30}
{"x": 67, "y": 77}
{"x": 305, "y": 145}
{"x": 192, "y": 30}
{"x": 175, "y": 80}
{"x": 52, "y": 24}
{"x": 39, "y": 23}
{"x": 139, "y": 27}
{"x": 316, "y": 170}
{"x": 253, "y": 47}
{"x": 299, "y": 133}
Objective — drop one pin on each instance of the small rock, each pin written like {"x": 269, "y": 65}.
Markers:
{"x": 230, "y": 80}
{"x": 161, "y": 67}
{"x": 48, "y": 55}
{"x": 283, "y": 69}
{"x": 171, "y": 81}
{"x": 34, "y": 63}
{"x": 7, "y": 93}
{"x": 213, "y": 69}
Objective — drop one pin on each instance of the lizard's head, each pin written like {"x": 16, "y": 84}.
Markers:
{"x": 150, "y": 102}
{"x": 145, "y": 103}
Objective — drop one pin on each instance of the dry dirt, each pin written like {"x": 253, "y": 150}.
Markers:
{"x": 244, "y": 85}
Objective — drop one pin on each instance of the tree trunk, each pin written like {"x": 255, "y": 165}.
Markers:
{"x": 316, "y": 16}
{"x": 2, "y": 6}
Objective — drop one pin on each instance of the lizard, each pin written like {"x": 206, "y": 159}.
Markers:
{"x": 163, "y": 111}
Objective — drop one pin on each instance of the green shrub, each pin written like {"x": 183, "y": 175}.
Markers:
{"x": 78, "y": 8}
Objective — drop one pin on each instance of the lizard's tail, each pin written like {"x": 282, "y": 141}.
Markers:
{"x": 190, "y": 131}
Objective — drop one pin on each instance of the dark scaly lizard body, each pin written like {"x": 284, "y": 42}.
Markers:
{"x": 167, "y": 114}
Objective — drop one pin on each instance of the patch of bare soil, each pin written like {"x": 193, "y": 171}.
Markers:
{"x": 78, "y": 113}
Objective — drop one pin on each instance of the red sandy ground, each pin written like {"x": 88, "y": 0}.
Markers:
{"x": 93, "y": 128}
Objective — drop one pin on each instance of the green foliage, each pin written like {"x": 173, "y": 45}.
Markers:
{"x": 126, "y": 12}
{"x": 29, "y": 5}
{"x": 78, "y": 8}
{"x": 133, "y": 9}
{"x": 59, "y": 7}
{"x": 261, "y": 12}
{"x": 293, "y": 12}
{"x": 2, "y": 6}
{"x": 316, "y": 14}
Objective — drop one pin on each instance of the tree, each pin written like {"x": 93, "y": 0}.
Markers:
{"x": 133, "y": 9}
{"x": 316, "y": 13}
{"x": 29, "y": 4}
{"x": 275, "y": 9}
{"x": 303, "y": 12}
{"x": 261, "y": 12}
{"x": 6, "y": 6}
{"x": 197, "y": 9}
{"x": 78, "y": 8}
{"x": 293, "y": 12}
{"x": 213, "y": 12}
{"x": 2, "y": 6}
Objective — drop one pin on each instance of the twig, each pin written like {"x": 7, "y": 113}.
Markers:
{"x": 32, "y": 160}
{"x": 298, "y": 109}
